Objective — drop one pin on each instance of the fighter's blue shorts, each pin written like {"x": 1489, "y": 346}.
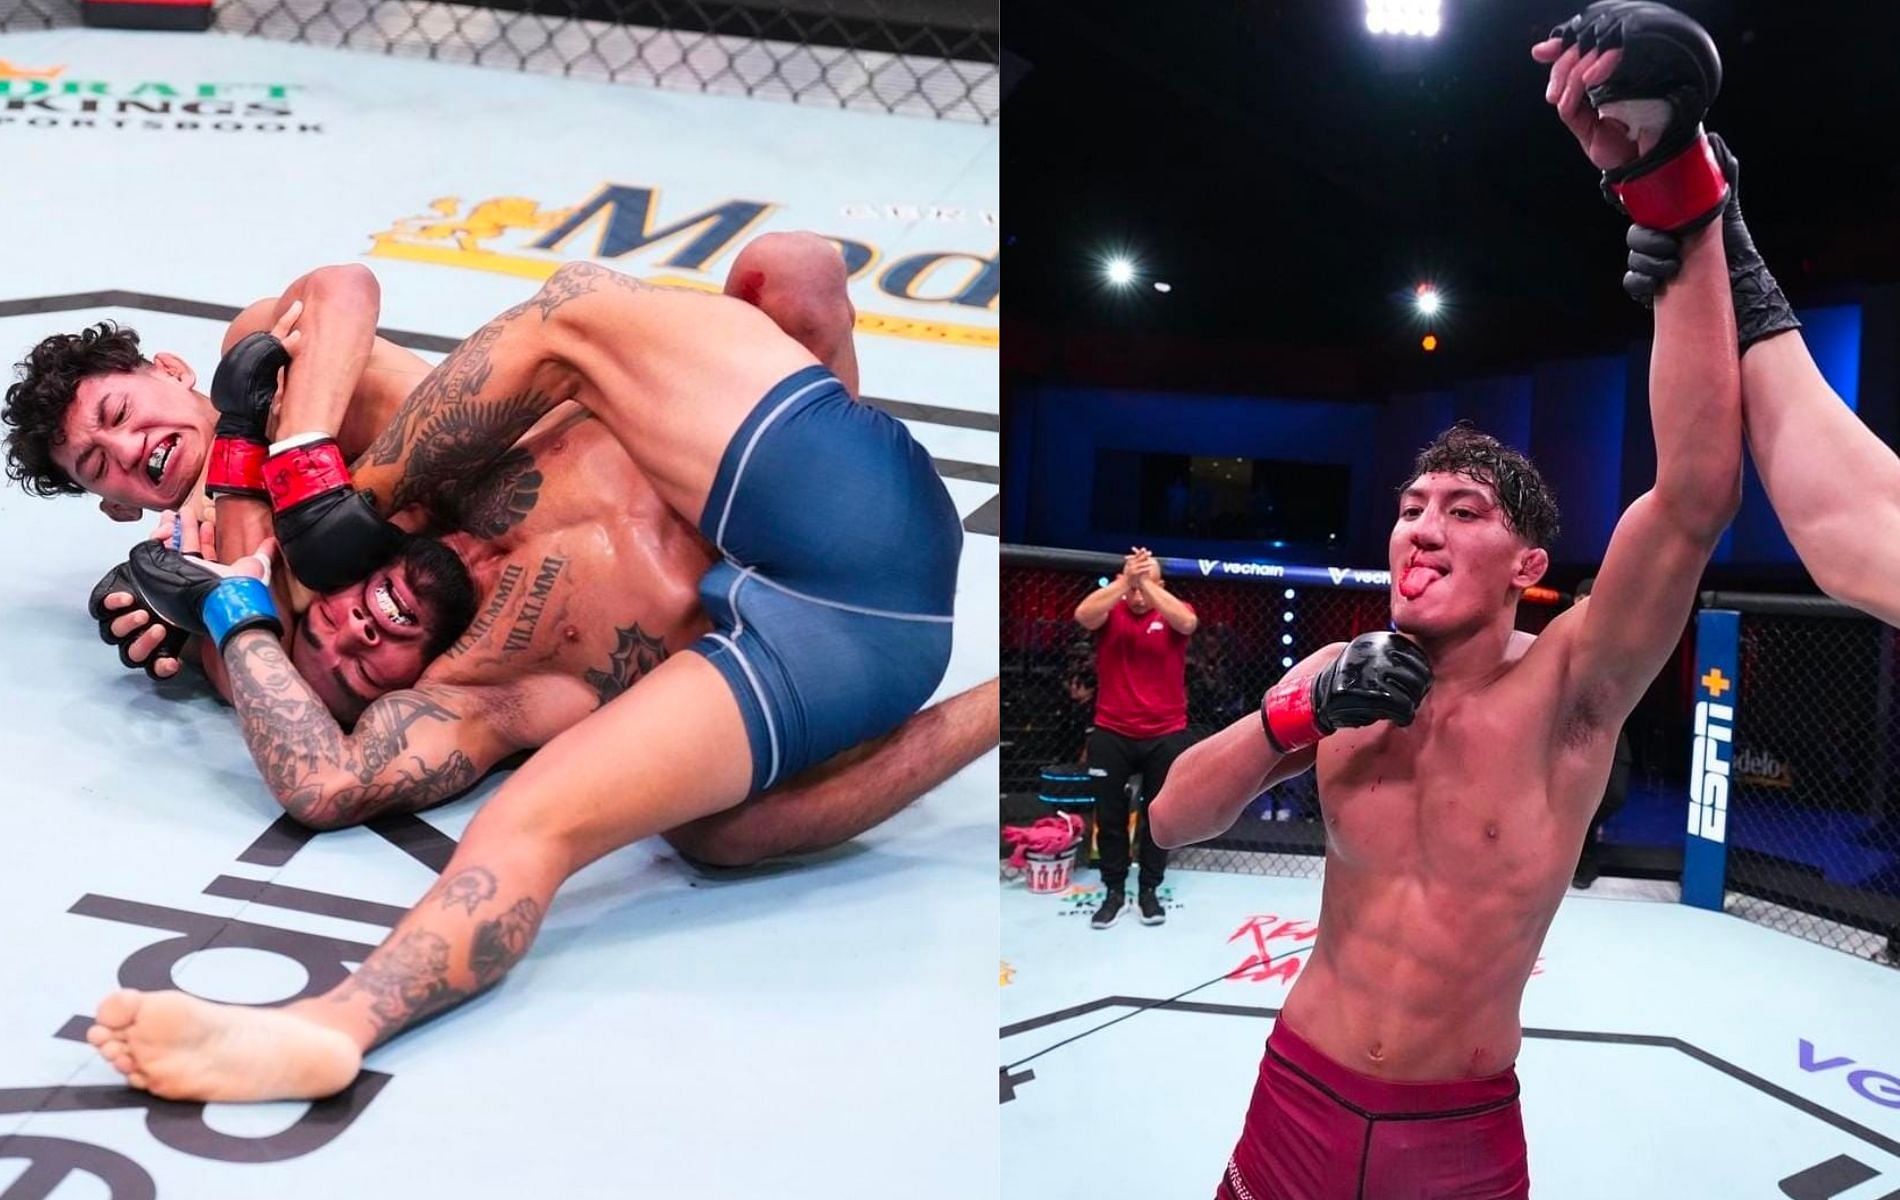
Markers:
{"x": 831, "y": 610}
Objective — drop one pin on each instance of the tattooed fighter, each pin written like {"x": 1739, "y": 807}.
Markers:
{"x": 91, "y": 414}
{"x": 830, "y": 612}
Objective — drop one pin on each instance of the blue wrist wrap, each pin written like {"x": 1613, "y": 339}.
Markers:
{"x": 237, "y": 601}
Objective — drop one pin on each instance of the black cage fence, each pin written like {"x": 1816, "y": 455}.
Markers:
{"x": 1813, "y": 820}
{"x": 931, "y": 58}
{"x": 1254, "y": 624}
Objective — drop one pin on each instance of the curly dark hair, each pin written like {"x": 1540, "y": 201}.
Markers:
{"x": 1529, "y": 507}
{"x": 36, "y": 406}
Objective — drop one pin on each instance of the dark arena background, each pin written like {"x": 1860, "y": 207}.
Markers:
{"x": 1259, "y": 259}
{"x": 1258, "y": 384}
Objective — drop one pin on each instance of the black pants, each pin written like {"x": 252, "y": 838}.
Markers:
{"x": 1119, "y": 757}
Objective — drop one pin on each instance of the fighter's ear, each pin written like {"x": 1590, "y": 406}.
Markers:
{"x": 1531, "y": 567}
{"x": 176, "y": 367}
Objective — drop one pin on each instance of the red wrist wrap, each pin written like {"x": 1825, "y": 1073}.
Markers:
{"x": 237, "y": 465}
{"x": 1287, "y": 712}
{"x": 305, "y": 471}
{"x": 1675, "y": 194}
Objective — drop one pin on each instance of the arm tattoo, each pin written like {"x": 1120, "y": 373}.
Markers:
{"x": 500, "y": 499}
{"x": 447, "y": 428}
{"x": 321, "y": 775}
{"x": 638, "y": 653}
{"x": 459, "y": 442}
{"x": 448, "y": 406}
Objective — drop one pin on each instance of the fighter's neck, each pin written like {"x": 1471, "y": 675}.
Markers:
{"x": 1472, "y": 657}
{"x": 481, "y": 556}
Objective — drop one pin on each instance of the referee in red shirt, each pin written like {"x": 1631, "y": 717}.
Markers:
{"x": 1140, "y": 719}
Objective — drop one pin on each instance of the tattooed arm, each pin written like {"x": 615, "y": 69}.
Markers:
{"x": 411, "y": 748}
{"x": 470, "y": 410}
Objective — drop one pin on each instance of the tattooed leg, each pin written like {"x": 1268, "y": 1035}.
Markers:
{"x": 672, "y": 750}
{"x": 464, "y": 935}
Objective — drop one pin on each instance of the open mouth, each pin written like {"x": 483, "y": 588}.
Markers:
{"x": 160, "y": 458}
{"x": 392, "y": 610}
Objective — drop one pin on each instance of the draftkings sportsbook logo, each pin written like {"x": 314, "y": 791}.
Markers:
{"x": 47, "y": 97}
{"x": 622, "y": 226}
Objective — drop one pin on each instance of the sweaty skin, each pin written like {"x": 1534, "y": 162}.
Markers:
{"x": 584, "y": 583}
{"x": 671, "y": 375}
{"x": 1450, "y": 841}
{"x": 345, "y": 369}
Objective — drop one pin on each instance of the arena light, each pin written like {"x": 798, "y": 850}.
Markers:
{"x": 1428, "y": 343}
{"x": 1426, "y": 300}
{"x": 1404, "y": 18}
{"x": 1286, "y": 639}
{"x": 1286, "y": 662}
{"x": 1163, "y": 288}
{"x": 1120, "y": 272}
{"x": 1288, "y": 593}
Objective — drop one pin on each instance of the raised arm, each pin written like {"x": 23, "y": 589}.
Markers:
{"x": 1175, "y": 611}
{"x": 1092, "y": 612}
{"x": 410, "y": 749}
{"x": 338, "y": 307}
{"x": 1620, "y": 637}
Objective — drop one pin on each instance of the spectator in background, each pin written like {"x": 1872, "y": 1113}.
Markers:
{"x": 1078, "y": 683}
{"x": 1614, "y": 792}
{"x": 1140, "y": 719}
{"x": 1214, "y": 698}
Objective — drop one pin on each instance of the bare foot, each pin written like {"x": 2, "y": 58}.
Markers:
{"x": 183, "y": 1048}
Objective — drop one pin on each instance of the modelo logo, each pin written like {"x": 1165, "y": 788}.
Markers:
{"x": 1708, "y": 770}
{"x": 1880, "y": 1087}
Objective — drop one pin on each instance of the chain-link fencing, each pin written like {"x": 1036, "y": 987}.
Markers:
{"x": 1256, "y": 620}
{"x": 1813, "y": 828}
{"x": 932, "y": 58}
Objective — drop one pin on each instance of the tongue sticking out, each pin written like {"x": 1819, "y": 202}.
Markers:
{"x": 1413, "y": 583}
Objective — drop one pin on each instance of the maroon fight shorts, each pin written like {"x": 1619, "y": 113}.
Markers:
{"x": 1316, "y": 1131}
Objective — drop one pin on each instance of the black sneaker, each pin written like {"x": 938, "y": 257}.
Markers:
{"x": 1151, "y": 911}
{"x": 1587, "y": 872}
{"x": 1110, "y": 911}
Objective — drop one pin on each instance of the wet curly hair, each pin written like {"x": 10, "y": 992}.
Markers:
{"x": 35, "y": 409}
{"x": 1529, "y": 507}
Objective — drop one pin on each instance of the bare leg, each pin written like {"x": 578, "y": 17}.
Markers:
{"x": 798, "y": 280}
{"x": 855, "y": 791}
{"x": 667, "y": 752}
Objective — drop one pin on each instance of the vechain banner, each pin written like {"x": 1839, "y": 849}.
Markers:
{"x": 1256, "y": 569}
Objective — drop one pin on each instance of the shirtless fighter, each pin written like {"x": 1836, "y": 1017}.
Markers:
{"x": 1459, "y": 764}
{"x": 579, "y": 581}
{"x": 1832, "y": 481}
{"x": 91, "y": 414}
{"x": 831, "y": 623}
